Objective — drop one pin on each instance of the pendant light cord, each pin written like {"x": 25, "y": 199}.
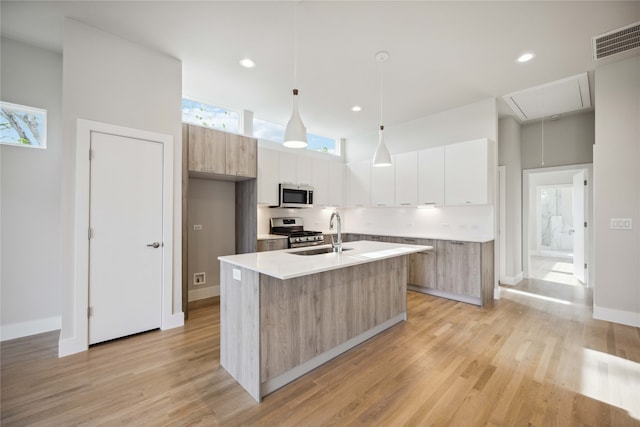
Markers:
{"x": 542, "y": 132}
{"x": 381, "y": 88}
{"x": 295, "y": 44}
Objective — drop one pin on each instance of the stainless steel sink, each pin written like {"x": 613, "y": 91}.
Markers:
{"x": 317, "y": 251}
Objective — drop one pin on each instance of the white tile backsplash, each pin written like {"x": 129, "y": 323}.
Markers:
{"x": 470, "y": 223}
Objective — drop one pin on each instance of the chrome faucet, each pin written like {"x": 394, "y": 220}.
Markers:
{"x": 336, "y": 246}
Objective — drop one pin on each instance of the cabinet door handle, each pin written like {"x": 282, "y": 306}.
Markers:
{"x": 453, "y": 242}
{"x": 405, "y": 204}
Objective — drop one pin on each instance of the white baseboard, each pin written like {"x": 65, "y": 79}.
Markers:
{"x": 617, "y": 316}
{"x": 175, "y": 321}
{"x": 73, "y": 345}
{"x": 496, "y": 292}
{"x": 32, "y": 327}
{"x": 208, "y": 292}
{"x": 511, "y": 280}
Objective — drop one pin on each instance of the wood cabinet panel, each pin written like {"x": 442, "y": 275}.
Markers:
{"x": 241, "y": 156}
{"x": 303, "y": 317}
{"x": 422, "y": 267}
{"x": 458, "y": 267}
{"x": 207, "y": 150}
{"x": 221, "y": 154}
{"x": 271, "y": 244}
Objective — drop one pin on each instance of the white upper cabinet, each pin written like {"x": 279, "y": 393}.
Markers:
{"x": 320, "y": 183}
{"x": 267, "y": 177}
{"x": 328, "y": 183}
{"x": 383, "y": 185}
{"x": 304, "y": 170}
{"x": 468, "y": 173}
{"x": 336, "y": 184}
{"x": 431, "y": 176}
{"x": 287, "y": 168}
{"x": 406, "y": 183}
{"x": 359, "y": 183}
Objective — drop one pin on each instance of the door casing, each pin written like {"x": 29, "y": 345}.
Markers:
{"x": 74, "y": 336}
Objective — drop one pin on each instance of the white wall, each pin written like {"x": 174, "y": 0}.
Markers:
{"x": 510, "y": 156}
{"x": 473, "y": 121}
{"x": 30, "y": 228}
{"x": 567, "y": 141}
{"x": 617, "y": 191}
{"x": 109, "y": 79}
{"x": 212, "y": 204}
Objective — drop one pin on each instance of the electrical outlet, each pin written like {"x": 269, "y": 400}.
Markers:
{"x": 237, "y": 274}
{"x": 199, "y": 279}
{"x": 197, "y": 227}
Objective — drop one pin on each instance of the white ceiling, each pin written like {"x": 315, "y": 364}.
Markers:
{"x": 443, "y": 54}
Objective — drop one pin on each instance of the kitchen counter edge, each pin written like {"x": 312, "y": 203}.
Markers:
{"x": 284, "y": 264}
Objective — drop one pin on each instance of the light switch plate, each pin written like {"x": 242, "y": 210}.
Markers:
{"x": 197, "y": 227}
{"x": 237, "y": 274}
{"x": 621, "y": 224}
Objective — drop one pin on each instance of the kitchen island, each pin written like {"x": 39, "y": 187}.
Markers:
{"x": 283, "y": 314}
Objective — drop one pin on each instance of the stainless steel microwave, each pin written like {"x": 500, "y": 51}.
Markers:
{"x": 295, "y": 196}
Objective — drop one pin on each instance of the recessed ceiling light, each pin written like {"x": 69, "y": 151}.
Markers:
{"x": 356, "y": 108}
{"x": 247, "y": 63}
{"x": 526, "y": 57}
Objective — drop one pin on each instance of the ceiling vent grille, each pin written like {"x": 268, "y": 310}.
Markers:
{"x": 616, "y": 41}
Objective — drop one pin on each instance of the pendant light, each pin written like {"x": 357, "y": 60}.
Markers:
{"x": 381, "y": 157}
{"x": 295, "y": 134}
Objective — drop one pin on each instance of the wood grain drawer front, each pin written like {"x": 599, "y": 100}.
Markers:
{"x": 271, "y": 244}
{"x": 459, "y": 267}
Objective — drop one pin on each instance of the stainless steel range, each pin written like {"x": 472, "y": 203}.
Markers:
{"x": 294, "y": 228}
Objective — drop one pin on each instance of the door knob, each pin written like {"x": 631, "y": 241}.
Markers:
{"x": 154, "y": 245}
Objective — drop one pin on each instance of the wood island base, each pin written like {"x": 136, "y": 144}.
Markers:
{"x": 273, "y": 331}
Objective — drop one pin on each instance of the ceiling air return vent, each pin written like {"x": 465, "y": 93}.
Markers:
{"x": 616, "y": 41}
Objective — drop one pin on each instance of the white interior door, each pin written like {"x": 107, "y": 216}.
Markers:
{"x": 578, "y": 226}
{"x": 125, "y": 249}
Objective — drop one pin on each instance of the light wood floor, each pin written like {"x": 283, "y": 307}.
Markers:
{"x": 535, "y": 358}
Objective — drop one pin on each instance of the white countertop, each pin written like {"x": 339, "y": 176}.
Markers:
{"x": 284, "y": 264}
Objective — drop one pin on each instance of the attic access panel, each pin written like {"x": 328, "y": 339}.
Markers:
{"x": 558, "y": 97}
